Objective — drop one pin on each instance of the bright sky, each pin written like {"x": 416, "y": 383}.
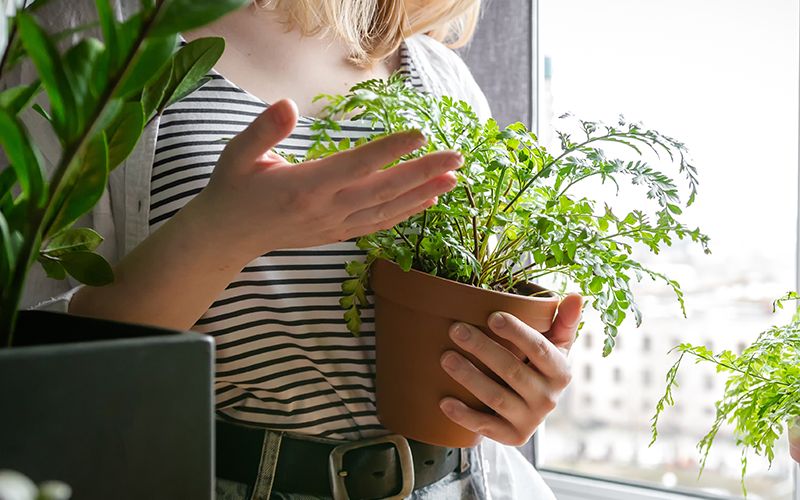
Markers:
{"x": 721, "y": 75}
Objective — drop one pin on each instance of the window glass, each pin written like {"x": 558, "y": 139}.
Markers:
{"x": 722, "y": 76}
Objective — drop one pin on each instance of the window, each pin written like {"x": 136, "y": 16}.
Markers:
{"x": 721, "y": 75}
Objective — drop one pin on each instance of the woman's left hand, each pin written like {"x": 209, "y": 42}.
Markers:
{"x": 533, "y": 387}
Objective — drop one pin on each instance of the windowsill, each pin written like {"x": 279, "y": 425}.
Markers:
{"x": 567, "y": 486}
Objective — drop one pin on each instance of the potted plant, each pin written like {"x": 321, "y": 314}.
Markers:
{"x": 114, "y": 410}
{"x": 514, "y": 218}
{"x": 762, "y": 391}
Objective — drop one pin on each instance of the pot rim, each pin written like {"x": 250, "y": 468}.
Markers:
{"x": 551, "y": 297}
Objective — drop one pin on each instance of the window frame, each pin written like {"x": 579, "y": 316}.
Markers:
{"x": 573, "y": 486}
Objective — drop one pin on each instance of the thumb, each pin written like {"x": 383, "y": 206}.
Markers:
{"x": 266, "y": 131}
{"x": 565, "y": 325}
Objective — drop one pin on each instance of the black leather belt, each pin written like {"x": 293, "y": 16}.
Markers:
{"x": 373, "y": 468}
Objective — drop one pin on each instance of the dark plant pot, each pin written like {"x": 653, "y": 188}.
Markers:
{"x": 116, "y": 411}
{"x": 413, "y": 314}
{"x": 794, "y": 439}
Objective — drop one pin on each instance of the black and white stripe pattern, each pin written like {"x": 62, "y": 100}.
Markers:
{"x": 285, "y": 359}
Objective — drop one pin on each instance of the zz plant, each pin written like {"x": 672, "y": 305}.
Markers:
{"x": 762, "y": 389}
{"x": 99, "y": 97}
{"x": 515, "y": 216}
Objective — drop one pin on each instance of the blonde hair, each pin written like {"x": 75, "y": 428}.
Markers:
{"x": 373, "y": 29}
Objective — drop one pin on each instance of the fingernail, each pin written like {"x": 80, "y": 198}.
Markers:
{"x": 460, "y": 332}
{"x": 458, "y": 159}
{"x": 496, "y": 320}
{"x": 416, "y": 138}
{"x": 450, "y": 360}
{"x": 283, "y": 111}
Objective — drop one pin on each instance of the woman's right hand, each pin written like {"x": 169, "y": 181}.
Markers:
{"x": 259, "y": 202}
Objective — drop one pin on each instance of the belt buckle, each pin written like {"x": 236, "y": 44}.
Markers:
{"x": 336, "y": 462}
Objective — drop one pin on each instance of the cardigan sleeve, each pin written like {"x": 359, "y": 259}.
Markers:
{"x": 443, "y": 72}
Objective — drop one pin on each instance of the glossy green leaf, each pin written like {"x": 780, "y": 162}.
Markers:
{"x": 150, "y": 57}
{"x": 154, "y": 91}
{"x": 8, "y": 258}
{"x": 42, "y": 51}
{"x": 53, "y": 268}
{"x": 23, "y": 158}
{"x": 17, "y": 98}
{"x": 124, "y": 132}
{"x": 85, "y": 187}
{"x": 70, "y": 240}
{"x": 190, "y": 64}
{"x": 80, "y": 62}
{"x": 8, "y": 178}
{"x": 184, "y": 15}
{"x": 88, "y": 268}
{"x": 108, "y": 25}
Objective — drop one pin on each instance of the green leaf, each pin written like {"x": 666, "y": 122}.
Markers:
{"x": 185, "y": 15}
{"x": 88, "y": 268}
{"x": 8, "y": 257}
{"x": 53, "y": 268}
{"x": 23, "y": 158}
{"x": 151, "y": 56}
{"x": 8, "y": 178}
{"x": 52, "y": 73}
{"x": 108, "y": 26}
{"x": 73, "y": 240}
{"x": 17, "y": 98}
{"x": 79, "y": 63}
{"x": 190, "y": 64}
{"x": 353, "y": 319}
{"x": 85, "y": 187}
{"x": 154, "y": 91}
{"x": 124, "y": 132}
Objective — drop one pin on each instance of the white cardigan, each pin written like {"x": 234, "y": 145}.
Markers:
{"x": 121, "y": 216}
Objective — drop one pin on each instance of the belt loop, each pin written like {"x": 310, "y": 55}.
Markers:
{"x": 464, "y": 459}
{"x": 266, "y": 468}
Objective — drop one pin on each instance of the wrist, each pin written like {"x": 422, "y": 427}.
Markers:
{"x": 205, "y": 224}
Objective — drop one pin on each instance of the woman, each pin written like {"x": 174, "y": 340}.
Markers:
{"x": 233, "y": 241}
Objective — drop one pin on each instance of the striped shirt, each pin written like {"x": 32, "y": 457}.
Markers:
{"x": 285, "y": 359}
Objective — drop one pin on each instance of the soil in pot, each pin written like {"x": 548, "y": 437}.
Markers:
{"x": 413, "y": 314}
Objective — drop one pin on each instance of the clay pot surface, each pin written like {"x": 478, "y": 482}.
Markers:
{"x": 413, "y": 314}
{"x": 794, "y": 439}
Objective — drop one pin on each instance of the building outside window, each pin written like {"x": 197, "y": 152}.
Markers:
{"x": 722, "y": 76}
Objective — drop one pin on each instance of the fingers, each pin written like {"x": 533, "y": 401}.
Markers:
{"x": 491, "y": 426}
{"x": 403, "y": 203}
{"x": 506, "y": 403}
{"x": 386, "y": 223}
{"x": 497, "y": 358}
{"x": 546, "y": 357}
{"x": 386, "y": 185}
{"x": 343, "y": 168}
{"x": 565, "y": 326}
{"x": 264, "y": 133}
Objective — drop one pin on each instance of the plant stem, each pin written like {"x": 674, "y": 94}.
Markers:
{"x": 39, "y": 218}
{"x": 421, "y": 234}
{"x": 733, "y": 368}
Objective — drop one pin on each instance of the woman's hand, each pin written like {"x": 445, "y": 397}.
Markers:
{"x": 260, "y": 202}
{"x": 533, "y": 387}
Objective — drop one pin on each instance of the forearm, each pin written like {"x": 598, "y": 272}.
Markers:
{"x": 172, "y": 277}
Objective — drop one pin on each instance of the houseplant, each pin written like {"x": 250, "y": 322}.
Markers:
{"x": 513, "y": 219}
{"x": 120, "y": 411}
{"x": 762, "y": 391}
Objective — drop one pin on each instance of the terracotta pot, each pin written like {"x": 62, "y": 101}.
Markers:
{"x": 413, "y": 313}
{"x": 794, "y": 439}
